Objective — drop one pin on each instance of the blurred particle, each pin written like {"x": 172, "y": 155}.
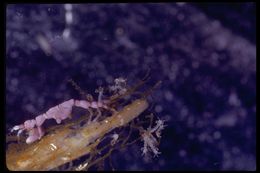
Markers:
{"x": 29, "y": 108}
{"x": 168, "y": 95}
{"x": 14, "y": 82}
{"x": 186, "y": 72}
{"x": 182, "y": 153}
{"x": 158, "y": 108}
{"x": 181, "y": 3}
{"x": 99, "y": 82}
{"x": 203, "y": 137}
{"x": 119, "y": 31}
{"x": 69, "y": 17}
{"x": 149, "y": 50}
{"x": 180, "y": 17}
{"x": 191, "y": 121}
{"x": 167, "y": 118}
{"x": 19, "y": 15}
{"x": 235, "y": 150}
{"x": 184, "y": 112}
{"x": 44, "y": 44}
{"x": 109, "y": 79}
{"x": 233, "y": 99}
{"x": 191, "y": 136}
{"x": 217, "y": 135}
{"x": 226, "y": 120}
{"x": 14, "y": 54}
{"x": 66, "y": 33}
{"x": 68, "y": 7}
{"x": 195, "y": 64}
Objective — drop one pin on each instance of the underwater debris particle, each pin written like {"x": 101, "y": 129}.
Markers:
{"x": 53, "y": 147}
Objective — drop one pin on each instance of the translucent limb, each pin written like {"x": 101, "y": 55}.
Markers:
{"x": 90, "y": 116}
{"x": 98, "y": 115}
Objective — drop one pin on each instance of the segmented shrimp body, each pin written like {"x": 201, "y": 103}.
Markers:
{"x": 59, "y": 113}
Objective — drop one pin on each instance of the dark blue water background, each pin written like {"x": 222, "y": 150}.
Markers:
{"x": 204, "y": 53}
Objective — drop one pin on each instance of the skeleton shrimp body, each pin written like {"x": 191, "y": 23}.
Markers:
{"x": 59, "y": 113}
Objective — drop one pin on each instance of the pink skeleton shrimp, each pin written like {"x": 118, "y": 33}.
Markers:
{"x": 59, "y": 113}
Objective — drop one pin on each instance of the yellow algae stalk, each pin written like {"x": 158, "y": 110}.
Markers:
{"x": 66, "y": 144}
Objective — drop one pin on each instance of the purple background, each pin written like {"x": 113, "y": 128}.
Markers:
{"x": 204, "y": 53}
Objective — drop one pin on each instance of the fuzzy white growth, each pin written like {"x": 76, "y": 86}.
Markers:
{"x": 119, "y": 87}
{"x": 150, "y": 142}
{"x": 158, "y": 128}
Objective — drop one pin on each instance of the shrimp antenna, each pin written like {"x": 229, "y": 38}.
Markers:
{"x": 149, "y": 91}
{"x": 77, "y": 87}
{"x": 147, "y": 75}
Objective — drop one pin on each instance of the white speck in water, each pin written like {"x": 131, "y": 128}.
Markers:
{"x": 29, "y": 108}
{"x": 66, "y": 33}
{"x": 184, "y": 112}
{"x": 44, "y": 44}
{"x": 217, "y": 135}
{"x": 182, "y": 153}
{"x": 119, "y": 31}
{"x": 203, "y": 137}
{"x": 14, "y": 81}
{"x": 181, "y": 3}
{"x": 233, "y": 99}
{"x": 68, "y": 7}
{"x": 69, "y": 18}
{"x": 226, "y": 120}
{"x": 235, "y": 150}
{"x": 106, "y": 121}
{"x": 186, "y": 72}
{"x": 19, "y": 14}
{"x": 168, "y": 95}
{"x": 149, "y": 50}
{"x": 158, "y": 108}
